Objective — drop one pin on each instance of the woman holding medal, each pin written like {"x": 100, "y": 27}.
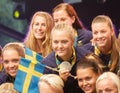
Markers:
{"x": 62, "y": 37}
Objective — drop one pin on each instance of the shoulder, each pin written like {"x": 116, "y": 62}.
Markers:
{"x": 80, "y": 52}
{"x": 88, "y": 46}
{"x": 3, "y": 77}
{"x": 84, "y": 35}
{"x": 49, "y": 60}
{"x": 84, "y": 32}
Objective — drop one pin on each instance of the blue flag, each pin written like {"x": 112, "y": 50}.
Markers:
{"x": 29, "y": 72}
{"x": 32, "y": 55}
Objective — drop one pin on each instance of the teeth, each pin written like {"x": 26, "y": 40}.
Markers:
{"x": 12, "y": 71}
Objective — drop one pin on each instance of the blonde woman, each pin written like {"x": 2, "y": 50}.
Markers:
{"x": 11, "y": 54}
{"x": 7, "y": 88}
{"x": 38, "y": 37}
{"x": 104, "y": 38}
{"x": 108, "y": 82}
{"x": 62, "y": 37}
{"x": 50, "y": 83}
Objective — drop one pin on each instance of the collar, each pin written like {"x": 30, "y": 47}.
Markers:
{"x": 72, "y": 59}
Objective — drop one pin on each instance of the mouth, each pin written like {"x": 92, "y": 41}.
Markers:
{"x": 87, "y": 88}
{"x": 12, "y": 71}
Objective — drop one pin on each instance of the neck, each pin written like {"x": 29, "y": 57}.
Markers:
{"x": 39, "y": 46}
{"x": 105, "y": 50}
{"x": 67, "y": 57}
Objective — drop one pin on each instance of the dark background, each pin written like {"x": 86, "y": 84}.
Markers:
{"x": 86, "y": 10}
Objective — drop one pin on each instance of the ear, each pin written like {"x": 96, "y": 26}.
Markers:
{"x": 113, "y": 32}
{"x": 73, "y": 19}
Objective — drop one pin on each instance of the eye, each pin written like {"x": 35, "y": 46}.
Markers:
{"x": 36, "y": 24}
{"x": 43, "y": 24}
{"x": 100, "y": 91}
{"x": 63, "y": 19}
{"x": 55, "y": 21}
{"x": 95, "y": 32}
{"x": 88, "y": 78}
{"x": 79, "y": 80}
{"x": 55, "y": 42}
{"x": 15, "y": 60}
{"x": 103, "y": 31}
{"x": 5, "y": 61}
{"x": 64, "y": 41}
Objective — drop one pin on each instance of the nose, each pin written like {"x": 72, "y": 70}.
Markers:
{"x": 11, "y": 64}
{"x": 84, "y": 82}
{"x": 60, "y": 45}
{"x": 99, "y": 35}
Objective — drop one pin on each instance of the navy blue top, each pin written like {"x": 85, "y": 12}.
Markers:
{"x": 104, "y": 58}
{"x": 84, "y": 36}
{"x": 71, "y": 85}
{"x": 5, "y": 78}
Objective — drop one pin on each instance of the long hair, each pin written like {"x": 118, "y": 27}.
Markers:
{"x": 115, "y": 55}
{"x": 30, "y": 40}
{"x": 106, "y": 19}
{"x": 71, "y": 12}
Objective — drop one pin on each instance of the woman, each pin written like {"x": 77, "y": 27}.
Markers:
{"x": 38, "y": 37}
{"x": 108, "y": 82}
{"x": 103, "y": 39}
{"x": 50, "y": 83}
{"x": 7, "y": 88}
{"x": 62, "y": 37}
{"x": 11, "y": 54}
{"x": 65, "y": 13}
{"x": 87, "y": 72}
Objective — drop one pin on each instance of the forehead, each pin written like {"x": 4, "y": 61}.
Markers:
{"x": 85, "y": 72}
{"x": 100, "y": 26}
{"x": 63, "y": 12}
{"x": 39, "y": 18}
{"x": 60, "y": 35}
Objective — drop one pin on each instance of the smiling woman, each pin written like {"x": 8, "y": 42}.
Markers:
{"x": 38, "y": 37}
{"x": 11, "y": 54}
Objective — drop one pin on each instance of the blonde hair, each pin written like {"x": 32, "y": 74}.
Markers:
{"x": 7, "y": 88}
{"x": 106, "y": 19}
{"x": 65, "y": 28}
{"x": 16, "y": 46}
{"x": 109, "y": 75}
{"x": 53, "y": 80}
{"x": 30, "y": 40}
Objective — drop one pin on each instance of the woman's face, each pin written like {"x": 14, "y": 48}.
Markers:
{"x": 102, "y": 34}
{"x": 61, "y": 16}
{"x": 87, "y": 79}
{"x": 11, "y": 60}
{"x": 39, "y": 27}
{"x": 106, "y": 86}
{"x": 62, "y": 44}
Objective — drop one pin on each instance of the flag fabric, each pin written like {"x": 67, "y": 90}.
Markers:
{"x": 32, "y": 55}
{"x": 29, "y": 72}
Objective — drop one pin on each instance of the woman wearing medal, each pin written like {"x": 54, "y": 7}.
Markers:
{"x": 62, "y": 37}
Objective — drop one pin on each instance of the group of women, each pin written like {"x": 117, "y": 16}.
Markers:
{"x": 62, "y": 37}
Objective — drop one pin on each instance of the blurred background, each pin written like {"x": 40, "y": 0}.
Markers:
{"x": 15, "y": 15}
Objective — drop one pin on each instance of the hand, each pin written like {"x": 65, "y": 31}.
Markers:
{"x": 64, "y": 74}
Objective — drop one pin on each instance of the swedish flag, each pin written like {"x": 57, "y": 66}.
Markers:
{"x": 32, "y": 55}
{"x": 28, "y": 75}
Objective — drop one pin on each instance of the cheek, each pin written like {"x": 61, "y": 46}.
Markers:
{"x": 80, "y": 84}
